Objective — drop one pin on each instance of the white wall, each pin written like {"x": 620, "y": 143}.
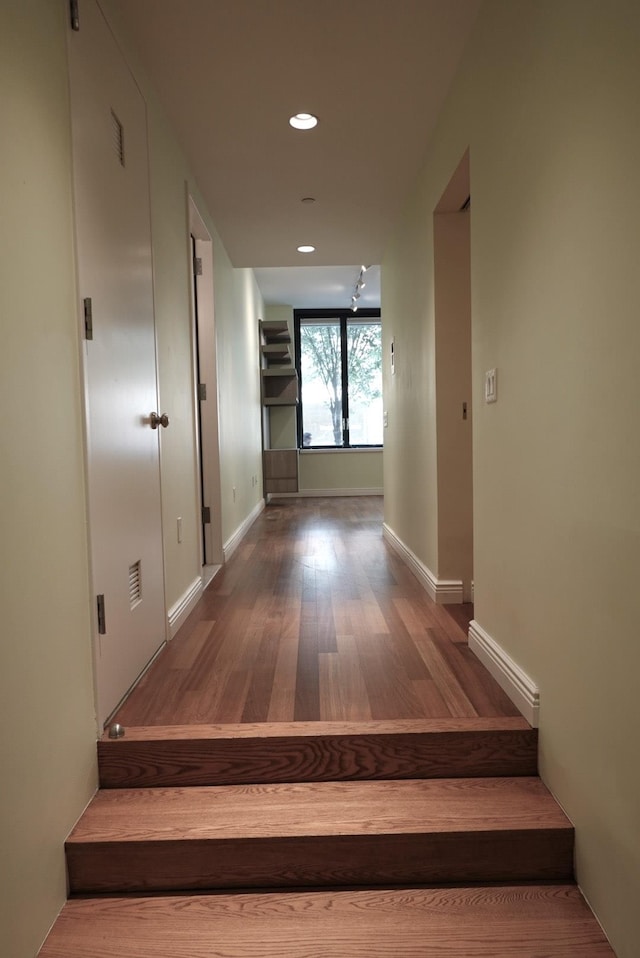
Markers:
{"x": 47, "y": 750}
{"x": 546, "y": 99}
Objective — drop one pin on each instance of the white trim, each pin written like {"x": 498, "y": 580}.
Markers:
{"x": 347, "y": 491}
{"x": 181, "y": 609}
{"x": 521, "y": 689}
{"x": 209, "y": 572}
{"x": 234, "y": 540}
{"x": 442, "y": 591}
{"x": 340, "y": 450}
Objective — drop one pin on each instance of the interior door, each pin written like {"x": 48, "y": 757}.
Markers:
{"x": 112, "y": 214}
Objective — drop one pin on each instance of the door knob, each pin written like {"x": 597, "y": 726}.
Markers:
{"x": 157, "y": 420}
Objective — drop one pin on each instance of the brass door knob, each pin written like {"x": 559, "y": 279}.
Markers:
{"x": 157, "y": 420}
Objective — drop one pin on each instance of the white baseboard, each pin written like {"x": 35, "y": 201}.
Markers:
{"x": 320, "y": 493}
{"x": 181, "y": 609}
{"x": 442, "y": 591}
{"x": 522, "y": 690}
{"x": 232, "y": 543}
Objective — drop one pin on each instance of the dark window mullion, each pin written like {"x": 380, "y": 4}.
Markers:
{"x": 297, "y": 346}
{"x": 344, "y": 368}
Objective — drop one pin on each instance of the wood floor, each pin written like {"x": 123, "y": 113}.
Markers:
{"x": 315, "y": 749}
{"x": 316, "y": 619}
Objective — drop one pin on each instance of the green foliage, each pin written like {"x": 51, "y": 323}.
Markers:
{"x": 322, "y": 362}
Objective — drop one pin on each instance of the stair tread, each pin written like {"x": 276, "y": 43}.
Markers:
{"x": 224, "y": 813}
{"x": 490, "y": 922}
{"x": 316, "y": 729}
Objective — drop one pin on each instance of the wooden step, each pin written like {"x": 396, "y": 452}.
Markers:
{"x": 317, "y": 751}
{"x": 498, "y": 922}
{"x": 319, "y": 834}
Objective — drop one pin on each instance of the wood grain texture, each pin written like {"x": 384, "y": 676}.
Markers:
{"x": 336, "y": 833}
{"x": 500, "y": 922}
{"x": 315, "y": 618}
{"x": 322, "y": 751}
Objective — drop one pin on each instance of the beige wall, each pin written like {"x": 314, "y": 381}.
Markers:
{"x": 238, "y": 309}
{"x": 410, "y": 460}
{"x": 46, "y": 697}
{"x": 546, "y": 100}
{"x": 342, "y": 471}
{"x": 47, "y": 752}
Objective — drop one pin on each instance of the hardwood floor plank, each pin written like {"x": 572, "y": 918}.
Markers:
{"x": 468, "y": 670}
{"x": 343, "y": 693}
{"x": 310, "y": 570}
{"x": 428, "y": 693}
{"x": 390, "y": 690}
{"x": 283, "y": 693}
{"x": 446, "y": 678}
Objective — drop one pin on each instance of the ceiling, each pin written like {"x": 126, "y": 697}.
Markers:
{"x": 231, "y": 72}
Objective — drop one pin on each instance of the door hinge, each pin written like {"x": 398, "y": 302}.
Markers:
{"x": 88, "y": 319}
{"x": 202, "y": 390}
{"x": 206, "y": 515}
{"x": 102, "y": 621}
{"x": 197, "y": 266}
{"x": 74, "y": 14}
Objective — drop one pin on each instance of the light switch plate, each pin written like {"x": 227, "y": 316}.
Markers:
{"x": 491, "y": 385}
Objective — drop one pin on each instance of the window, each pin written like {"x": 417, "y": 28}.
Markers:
{"x": 339, "y": 358}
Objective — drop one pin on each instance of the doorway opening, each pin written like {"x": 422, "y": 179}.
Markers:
{"x": 452, "y": 287}
{"x": 206, "y": 394}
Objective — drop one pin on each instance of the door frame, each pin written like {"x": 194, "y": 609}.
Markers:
{"x": 206, "y": 439}
{"x": 454, "y": 378}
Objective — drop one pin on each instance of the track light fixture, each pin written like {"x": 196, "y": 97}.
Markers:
{"x": 360, "y": 284}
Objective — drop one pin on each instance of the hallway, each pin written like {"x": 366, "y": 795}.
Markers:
{"x": 315, "y": 618}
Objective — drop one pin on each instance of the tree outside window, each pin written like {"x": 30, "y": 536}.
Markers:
{"x": 340, "y": 363}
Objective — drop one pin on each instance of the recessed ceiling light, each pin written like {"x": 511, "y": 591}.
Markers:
{"x": 306, "y": 249}
{"x": 303, "y": 121}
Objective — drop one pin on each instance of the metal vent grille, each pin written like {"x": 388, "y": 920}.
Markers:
{"x": 117, "y": 131}
{"x": 135, "y": 584}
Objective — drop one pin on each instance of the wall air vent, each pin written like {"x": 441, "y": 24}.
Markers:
{"x": 117, "y": 131}
{"x": 135, "y": 584}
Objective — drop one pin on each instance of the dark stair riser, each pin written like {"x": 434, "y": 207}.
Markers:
{"x": 320, "y": 861}
{"x": 465, "y": 753}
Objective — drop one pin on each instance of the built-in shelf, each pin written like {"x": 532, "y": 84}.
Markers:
{"x": 275, "y": 331}
{"x": 280, "y": 470}
{"x": 277, "y": 353}
{"x": 279, "y": 388}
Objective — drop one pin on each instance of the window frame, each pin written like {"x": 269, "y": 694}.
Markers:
{"x": 344, "y": 316}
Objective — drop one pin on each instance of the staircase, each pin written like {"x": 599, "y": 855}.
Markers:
{"x": 429, "y": 838}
